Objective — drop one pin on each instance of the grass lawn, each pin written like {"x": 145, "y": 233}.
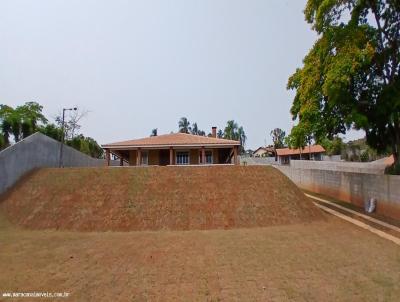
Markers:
{"x": 327, "y": 260}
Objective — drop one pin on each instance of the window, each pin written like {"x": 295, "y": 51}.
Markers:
{"x": 182, "y": 158}
{"x": 209, "y": 157}
{"x": 144, "y": 158}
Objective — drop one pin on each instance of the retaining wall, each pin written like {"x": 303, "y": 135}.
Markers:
{"x": 351, "y": 187}
{"x": 37, "y": 151}
{"x": 369, "y": 168}
{"x": 257, "y": 160}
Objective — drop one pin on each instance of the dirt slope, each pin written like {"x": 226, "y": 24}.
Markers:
{"x": 154, "y": 198}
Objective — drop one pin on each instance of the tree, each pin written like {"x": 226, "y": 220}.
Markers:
{"x": 351, "y": 76}
{"x": 220, "y": 134}
{"x": 2, "y": 142}
{"x": 29, "y": 115}
{"x": 86, "y": 145}
{"x": 21, "y": 121}
{"x": 72, "y": 123}
{"x": 334, "y": 146}
{"x": 184, "y": 125}
{"x": 195, "y": 129}
{"x": 6, "y": 123}
{"x": 278, "y": 138}
{"x": 230, "y": 131}
{"x": 242, "y": 139}
{"x": 51, "y": 130}
{"x": 234, "y": 132}
{"x": 26, "y": 119}
{"x": 154, "y": 132}
{"x": 297, "y": 139}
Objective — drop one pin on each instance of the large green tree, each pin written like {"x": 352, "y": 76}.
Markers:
{"x": 20, "y": 122}
{"x": 28, "y": 118}
{"x": 350, "y": 78}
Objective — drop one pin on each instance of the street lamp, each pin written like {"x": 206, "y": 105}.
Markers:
{"x": 60, "y": 163}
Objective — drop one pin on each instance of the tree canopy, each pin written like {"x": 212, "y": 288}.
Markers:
{"x": 350, "y": 78}
{"x": 278, "y": 137}
{"x": 21, "y": 121}
{"x": 231, "y": 131}
{"x": 184, "y": 125}
{"x": 235, "y": 132}
{"x": 26, "y": 119}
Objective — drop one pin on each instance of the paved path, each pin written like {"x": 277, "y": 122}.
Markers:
{"x": 358, "y": 223}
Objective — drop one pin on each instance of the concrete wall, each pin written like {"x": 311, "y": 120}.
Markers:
{"x": 351, "y": 187}
{"x": 331, "y": 157}
{"x": 370, "y": 168}
{"x": 37, "y": 151}
{"x": 258, "y": 160}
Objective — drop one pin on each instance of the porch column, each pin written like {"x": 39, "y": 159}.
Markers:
{"x": 235, "y": 155}
{"x": 171, "y": 156}
{"x": 121, "y": 161}
{"x": 139, "y": 157}
{"x": 203, "y": 156}
{"x": 108, "y": 157}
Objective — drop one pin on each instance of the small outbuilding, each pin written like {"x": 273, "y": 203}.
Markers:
{"x": 314, "y": 152}
{"x": 268, "y": 151}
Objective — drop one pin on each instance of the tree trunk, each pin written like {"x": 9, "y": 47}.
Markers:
{"x": 395, "y": 150}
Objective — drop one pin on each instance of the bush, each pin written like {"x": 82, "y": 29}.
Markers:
{"x": 364, "y": 157}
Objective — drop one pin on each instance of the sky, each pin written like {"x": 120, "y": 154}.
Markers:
{"x": 138, "y": 65}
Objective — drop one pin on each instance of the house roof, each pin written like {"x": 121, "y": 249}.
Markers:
{"x": 266, "y": 149}
{"x": 173, "y": 139}
{"x": 260, "y": 148}
{"x": 306, "y": 150}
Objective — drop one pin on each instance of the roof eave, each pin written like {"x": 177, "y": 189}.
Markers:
{"x": 132, "y": 147}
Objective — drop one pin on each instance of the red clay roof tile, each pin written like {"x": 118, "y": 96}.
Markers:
{"x": 306, "y": 150}
{"x": 173, "y": 139}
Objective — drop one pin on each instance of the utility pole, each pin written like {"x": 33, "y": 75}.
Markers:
{"x": 60, "y": 162}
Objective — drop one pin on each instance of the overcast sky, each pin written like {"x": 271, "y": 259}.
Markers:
{"x": 139, "y": 65}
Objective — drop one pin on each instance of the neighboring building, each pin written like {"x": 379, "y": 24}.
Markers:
{"x": 264, "y": 152}
{"x": 314, "y": 152}
{"x": 175, "y": 149}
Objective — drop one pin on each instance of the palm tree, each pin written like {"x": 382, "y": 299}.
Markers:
{"x": 234, "y": 132}
{"x": 230, "y": 131}
{"x": 195, "y": 129}
{"x": 242, "y": 138}
{"x": 184, "y": 125}
{"x": 154, "y": 132}
{"x": 220, "y": 134}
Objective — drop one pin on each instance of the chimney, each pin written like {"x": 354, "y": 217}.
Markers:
{"x": 214, "y": 131}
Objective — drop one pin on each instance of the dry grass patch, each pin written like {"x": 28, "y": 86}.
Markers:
{"x": 321, "y": 261}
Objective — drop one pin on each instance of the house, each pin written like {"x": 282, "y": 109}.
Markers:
{"x": 175, "y": 149}
{"x": 314, "y": 152}
{"x": 264, "y": 152}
